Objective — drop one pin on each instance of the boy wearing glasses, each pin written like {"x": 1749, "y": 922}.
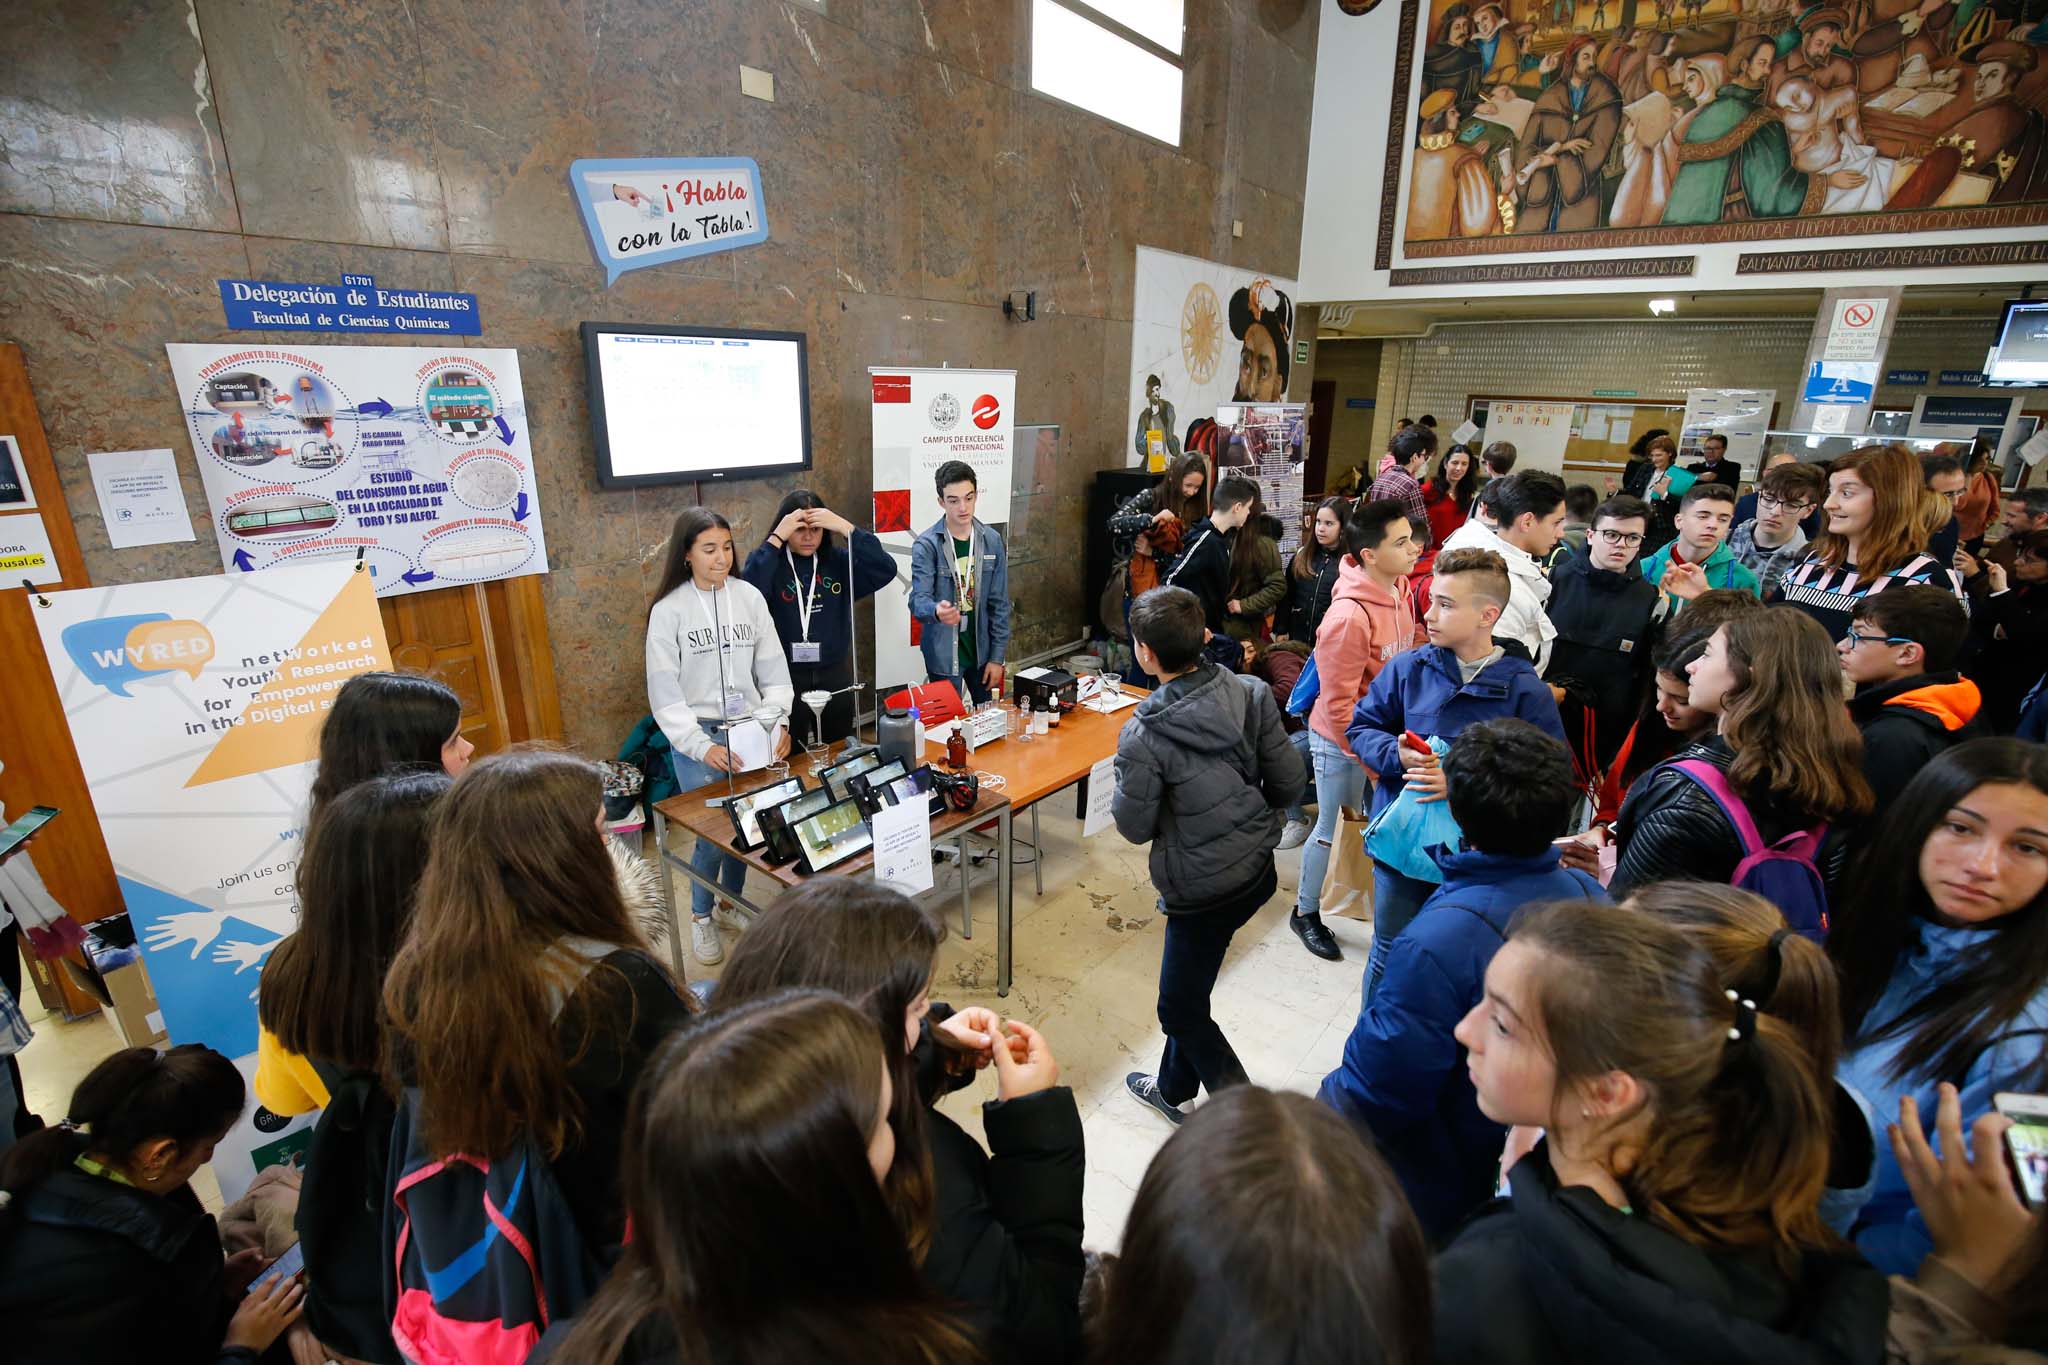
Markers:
{"x": 1771, "y": 544}
{"x": 1607, "y": 617}
{"x": 1911, "y": 703}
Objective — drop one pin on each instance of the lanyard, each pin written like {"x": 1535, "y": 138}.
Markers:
{"x": 803, "y": 600}
{"x": 966, "y": 580}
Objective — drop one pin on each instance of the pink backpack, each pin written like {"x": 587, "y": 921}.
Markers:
{"x": 1785, "y": 873}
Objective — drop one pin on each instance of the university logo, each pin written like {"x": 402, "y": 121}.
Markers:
{"x": 944, "y": 412}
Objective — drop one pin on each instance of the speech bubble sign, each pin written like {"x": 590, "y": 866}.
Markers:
{"x": 643, "y": 211}
{"x": 117, "y": 651}
{"x": 164, "y": 646}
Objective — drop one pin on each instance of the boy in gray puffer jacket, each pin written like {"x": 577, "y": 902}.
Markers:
{"x": 1203, "y": 772}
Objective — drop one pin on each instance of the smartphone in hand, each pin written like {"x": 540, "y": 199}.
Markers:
{"x": 293, "y": 1262}
{"x": 2026, "y": 1144}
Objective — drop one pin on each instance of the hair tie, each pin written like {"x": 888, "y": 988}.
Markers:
{"x": 1774, "y": 968}
{"x": 1745, "y": 1018}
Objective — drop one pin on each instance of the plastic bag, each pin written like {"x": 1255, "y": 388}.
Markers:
{"x": 1408, "y": 835}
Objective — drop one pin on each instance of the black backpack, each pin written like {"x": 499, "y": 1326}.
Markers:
{"x": 341, "y": 1217}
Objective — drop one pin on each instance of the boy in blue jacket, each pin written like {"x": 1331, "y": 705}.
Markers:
{"x": 1460, "y": 679}
{"x": 1403, "y": 1077}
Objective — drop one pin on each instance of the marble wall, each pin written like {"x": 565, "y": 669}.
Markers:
{"x": 150, "y": 148}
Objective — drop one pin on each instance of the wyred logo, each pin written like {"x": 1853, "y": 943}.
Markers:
{"x": 987, "y": 411}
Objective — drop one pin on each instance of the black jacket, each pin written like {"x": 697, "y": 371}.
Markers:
{"x": 1725, "y": 472}
{"x": 1308, "y": 597}
{"x": 2012, "y": 637}
{"x": 1557, "y": 1275}
{"x": 1670, "y": 828}
{"x": 1607, "y": 627}
{"x": 1203, "y": 568}
{"x": 94, "y": 1272}
{"x": 1007, "y": 1236}
{"x": 1901, "y": 739}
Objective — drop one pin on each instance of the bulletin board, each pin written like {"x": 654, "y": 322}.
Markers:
{"x": 1602, "y": 429}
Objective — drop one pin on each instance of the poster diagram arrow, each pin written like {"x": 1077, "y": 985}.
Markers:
{"x": 376, "y": 407}
{"x": 243, "y": 562}
{"x": 504, "y": 431}
{"x": 418, "y": 575}
{"x": 519, "y": 507}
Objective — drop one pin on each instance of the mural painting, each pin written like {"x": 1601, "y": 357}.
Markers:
{"x": 1544, "y": 125}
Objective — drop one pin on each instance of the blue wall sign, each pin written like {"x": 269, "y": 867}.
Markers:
{"x": 1360, "y": 402}
{"x": 1958, "y": 411}
{"x": 354, "y": 305}
{"x": 1908, "y": 378}
{"x": 1844, "y": 382}
{"x": 1963, "y": 378}
{"x": 642, "y": 211}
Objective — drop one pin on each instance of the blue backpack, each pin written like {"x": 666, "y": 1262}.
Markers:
{"x": 1307, "y": 688}
{"x": 1786, "y": 873}
{"x": 486, "y": 1253}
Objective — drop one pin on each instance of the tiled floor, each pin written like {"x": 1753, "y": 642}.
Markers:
{"x": 1087, "y": 960}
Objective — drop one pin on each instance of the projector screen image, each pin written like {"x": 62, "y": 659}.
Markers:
{"x": 680, "y": 404}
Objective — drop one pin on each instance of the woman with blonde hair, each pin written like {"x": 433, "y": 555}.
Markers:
{"x": 1783, "y": 743}
{"x": 1880, "y": 517}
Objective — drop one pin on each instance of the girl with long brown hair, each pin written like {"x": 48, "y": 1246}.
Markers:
{"x": 1258, "y": 580}
{"x": 1880, "y": 517}
{"x": 524, "y": 1000}
{"x": 1945, "y": 961}
{"x": 1783, "y": 738}
{"x": 754, "y": 1155}
{"x": 1312, "y": 573}
{"x": 1267, "y": 1229}
{"x": 1671, "y": 1210}
{"x": 1000, "y": 1235}
{"x": 713, "y": 659}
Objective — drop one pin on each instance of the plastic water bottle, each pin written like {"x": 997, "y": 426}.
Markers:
{"x": 917, "y": 732}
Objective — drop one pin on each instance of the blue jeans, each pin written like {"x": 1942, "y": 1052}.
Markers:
{"x": 1299, "y": 739}
{"x": 1340, "y": 782}
{"x": 1395, "y": 901}
{"x": 707, "y": 858}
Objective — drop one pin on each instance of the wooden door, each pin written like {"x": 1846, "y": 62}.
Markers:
{"x": 41, "y": 767}
{"x": 1322, "y": 398}
{"x": 489, "y": 643}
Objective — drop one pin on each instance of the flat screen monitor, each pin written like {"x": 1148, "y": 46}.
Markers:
{"x": 683, "y": 404}
{"x": 2019, "y": 358}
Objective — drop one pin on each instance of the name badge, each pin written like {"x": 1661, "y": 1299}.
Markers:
{"x": 1627, "y": 645}
{"x": 803, "y": 652}
{"x": 735, "y": 704}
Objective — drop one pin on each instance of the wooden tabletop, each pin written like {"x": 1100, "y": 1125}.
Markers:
{"x": 1059, "y": 758}
{"x": 711, "y": 822}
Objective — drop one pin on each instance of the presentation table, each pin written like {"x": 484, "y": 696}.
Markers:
{"x": 711, "y": 823}
{"x": 1048, "y": 763}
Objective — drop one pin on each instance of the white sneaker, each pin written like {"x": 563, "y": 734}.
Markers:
{"x": 1296, "y": 834}
{"x": 704, "y": 944}
{"x": 729, "y": 916}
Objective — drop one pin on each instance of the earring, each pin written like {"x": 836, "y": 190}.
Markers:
{"x": 1585, "y": 1113}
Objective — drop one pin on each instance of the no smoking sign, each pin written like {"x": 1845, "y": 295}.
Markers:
{"x": 1856, "y": 331}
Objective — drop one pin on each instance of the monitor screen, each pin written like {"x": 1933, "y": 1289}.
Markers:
{"x": 680, "y": 404}
{"x": 2020, "y": 356}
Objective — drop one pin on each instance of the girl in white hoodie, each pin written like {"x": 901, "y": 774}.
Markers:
{"x": 712, "y": 657}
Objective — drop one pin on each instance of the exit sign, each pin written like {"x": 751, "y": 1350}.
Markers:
{"x": 1614, "y": 393}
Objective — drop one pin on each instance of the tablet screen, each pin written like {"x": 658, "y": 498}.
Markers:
{"x": 835, "y": 778}
{"x": 910, "y": 787}
{"x": 878, "y": 778}
{"x": 797, "y": 808}
{"x": 746, "y": 810}
{"x": 833, "y": 835}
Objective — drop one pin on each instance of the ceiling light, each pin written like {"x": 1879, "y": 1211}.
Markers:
{"x": 1659, "y": 307}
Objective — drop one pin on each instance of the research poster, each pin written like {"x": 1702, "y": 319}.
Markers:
{"x": 923, "y": 418}
{"x": 415, "y": 459}
{"x": 1742, "y": 416}
{"x": 195, "y": 705}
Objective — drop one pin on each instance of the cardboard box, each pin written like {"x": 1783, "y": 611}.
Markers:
{"x": 113, "y": 971}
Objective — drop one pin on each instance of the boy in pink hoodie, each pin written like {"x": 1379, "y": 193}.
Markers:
{"x": 1371, "y": 619}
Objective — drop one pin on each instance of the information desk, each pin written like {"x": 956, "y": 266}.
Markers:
{"x": 712, "y": 823}
{"x": 1048, "y": 763}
